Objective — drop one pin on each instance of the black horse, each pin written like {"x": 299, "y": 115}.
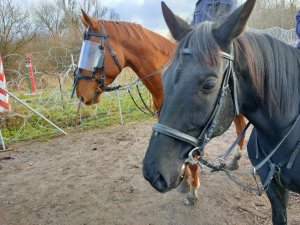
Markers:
{"x": 219, "y": 70}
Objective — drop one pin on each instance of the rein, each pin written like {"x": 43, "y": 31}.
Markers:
{"x": 149, "y": 111}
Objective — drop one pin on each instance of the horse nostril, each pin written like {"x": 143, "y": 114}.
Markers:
{"x": 160, "y": 184}
{"x": 155, "y": 179}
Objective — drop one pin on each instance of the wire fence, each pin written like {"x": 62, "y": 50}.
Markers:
{"x": 53, "y": 73}
{"x": 287, "y": 36}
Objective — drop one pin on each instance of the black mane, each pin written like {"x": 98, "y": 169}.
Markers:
{"x": 274, "y": 68}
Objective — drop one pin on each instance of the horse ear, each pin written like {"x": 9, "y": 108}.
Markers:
{"x": 177, "y": 26}
{"x": 234, "y": 24}
{"x": 88, "y": 21}
{"x": 84, "y": 21}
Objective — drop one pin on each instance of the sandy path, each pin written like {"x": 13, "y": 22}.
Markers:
{"x": 95, "y": 177}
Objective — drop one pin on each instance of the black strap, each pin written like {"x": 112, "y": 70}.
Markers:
{"x": 88, "y": 33}
{"x": 224, "y": 156}
{"x": 132, "y": 98}
{"x": 211, "y": 123}
{"x": 293, "y": 156}
{"x": 258, "y": 166}
{"x": 112, "y": 52}
{"x": 144, "y": 103}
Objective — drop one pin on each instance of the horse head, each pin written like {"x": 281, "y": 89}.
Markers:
{"x": 100, "y": 61}
{"x": 198, "y": 101}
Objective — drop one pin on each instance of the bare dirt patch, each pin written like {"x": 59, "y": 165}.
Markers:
{"x": 95, "y": 177}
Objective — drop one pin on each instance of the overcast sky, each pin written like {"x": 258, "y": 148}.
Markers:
{"x": 148, "y": 12}
{"x": 145, "y": 12}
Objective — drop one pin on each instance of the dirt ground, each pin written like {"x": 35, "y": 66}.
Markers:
{"x": 95, "y": 177}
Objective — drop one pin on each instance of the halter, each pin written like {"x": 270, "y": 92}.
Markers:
{"x": 100, "y": 64}
{"x": 205, "y": 136}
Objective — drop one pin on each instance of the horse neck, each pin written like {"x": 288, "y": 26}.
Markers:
{"x": 268, "y": 81}
{"x": 149, "y": 69}
{"x": 147, "y": 62}
{"x": 143, "y": 58}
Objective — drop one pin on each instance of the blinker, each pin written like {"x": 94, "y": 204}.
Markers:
{"x": 89, "y": 55}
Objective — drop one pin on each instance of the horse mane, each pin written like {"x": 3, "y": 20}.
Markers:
{"x": 274, "y": 70}
{"x": 137, "y": 32}
{"x": 272, "y": 65}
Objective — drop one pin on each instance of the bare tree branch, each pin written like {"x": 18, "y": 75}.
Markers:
{"x": 16, "y": 28}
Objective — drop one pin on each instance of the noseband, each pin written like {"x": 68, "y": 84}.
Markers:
{"x": 102, "y": 87}
{"x": 200, "y": 142}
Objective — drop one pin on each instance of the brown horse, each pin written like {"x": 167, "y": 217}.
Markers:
{"x": 145, "y": 52}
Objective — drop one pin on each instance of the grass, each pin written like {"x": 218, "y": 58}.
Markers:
{"x": 22, "y": 124}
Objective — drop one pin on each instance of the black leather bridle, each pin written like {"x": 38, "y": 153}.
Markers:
{"x": 206, "y": 134}
{"x": 102, "y": 87}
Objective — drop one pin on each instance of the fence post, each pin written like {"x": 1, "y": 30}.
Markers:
{"x": 33, "y": 110}
{"x": 2, "y": 141}
{"x": 119, "y": 102}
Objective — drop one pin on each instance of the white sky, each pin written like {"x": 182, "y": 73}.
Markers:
{"x": 145, "y": 12}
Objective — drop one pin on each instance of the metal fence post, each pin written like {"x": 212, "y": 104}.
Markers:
{"x": 2, "y": 141}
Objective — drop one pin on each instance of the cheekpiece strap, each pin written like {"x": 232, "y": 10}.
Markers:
{"x": 226, "y": 55}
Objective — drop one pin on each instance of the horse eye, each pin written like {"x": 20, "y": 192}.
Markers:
{"x": 208, "y": 85}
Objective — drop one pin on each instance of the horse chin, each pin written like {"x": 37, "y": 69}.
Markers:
{"x": 91, "y": 101}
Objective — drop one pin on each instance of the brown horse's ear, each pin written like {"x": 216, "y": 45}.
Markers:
{"x": 177, "y": 26}
{"x": 234, "y": 24}
{"x": 88, "y": 21}
{"x": 84, "y": 21}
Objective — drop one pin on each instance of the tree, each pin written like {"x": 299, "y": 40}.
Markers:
{"x": 271, "y": 13}
{"x": 50, "y": 16}
{"x": 62, "y": 16}
{"x": 16, "y": 27}
{"x": 97, "y": 10}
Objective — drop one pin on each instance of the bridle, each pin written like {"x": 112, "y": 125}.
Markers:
{"x": 102, "y": 87}
{"x": 206, "y": 134}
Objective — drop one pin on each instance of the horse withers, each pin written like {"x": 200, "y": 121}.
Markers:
{"x": 109, "y": 47}
{"x": 217, "y": 71}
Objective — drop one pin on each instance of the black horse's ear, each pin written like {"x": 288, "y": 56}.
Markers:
{"x": 177, "y": 26}
{"x": 234, "y": 24}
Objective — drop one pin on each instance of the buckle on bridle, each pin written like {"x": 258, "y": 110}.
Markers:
{"x": 206, "y": 138}
{"x": 190, "y": 159}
